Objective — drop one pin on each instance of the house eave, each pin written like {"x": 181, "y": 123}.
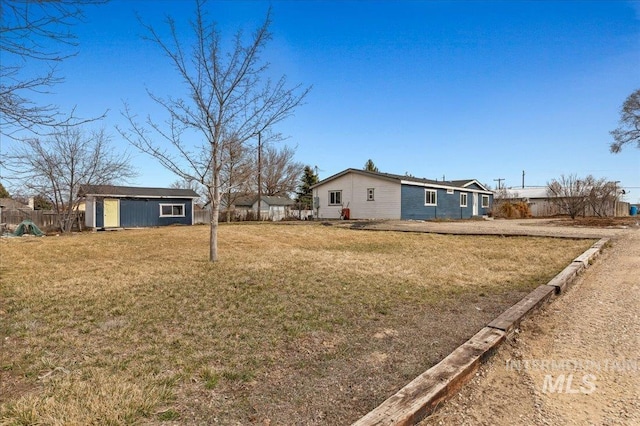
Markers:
{"x": 435, "y": 185}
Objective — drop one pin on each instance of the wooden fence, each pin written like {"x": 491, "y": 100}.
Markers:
{"x": 47, "y": 220}
{"x": 204, "y": 216}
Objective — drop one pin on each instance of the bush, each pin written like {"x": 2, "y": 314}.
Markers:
{"x": 511, "y": 210}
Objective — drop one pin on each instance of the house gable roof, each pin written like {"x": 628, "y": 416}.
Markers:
{"x": 407, "y": 180}
{"x": 135, "y": 192}
{"x": 465, "y": 183}
{"x": 10, "y": 203}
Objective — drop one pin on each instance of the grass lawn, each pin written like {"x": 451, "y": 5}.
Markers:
{"x": 304, "y": 324}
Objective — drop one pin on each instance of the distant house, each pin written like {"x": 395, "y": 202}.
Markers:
{"x": 541, "y": 204}
{"x": 373, "y": 195}
{"x": 11, "y": 204}
{"x": 535, "y": 197}
{"x": 108, "y": 206}
{"x": 13, "y": 211}
{"x": 271, "y": 207}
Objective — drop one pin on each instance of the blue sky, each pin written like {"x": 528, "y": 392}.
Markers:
{"x": 478, "y": 90}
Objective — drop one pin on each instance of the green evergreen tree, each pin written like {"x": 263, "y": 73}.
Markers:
{"x": 40, "y": 202}
{"x": 305, "y": 194}
{"x": 370, "y": 167}
{"x": 3, "y": 191}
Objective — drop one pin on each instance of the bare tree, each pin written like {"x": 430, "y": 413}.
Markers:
{"x": 569, "y": 194}
{"x": 602, "y": 196}
{"x": 628, "y": 132}
{"x": 192, "y": 185}
{"x": 57, "y": 166}
{"x": 227, "y": 101}
{"x": 280, "y": 173}
{"x": 236, "y": 174}
{"x": 35, "y": 32}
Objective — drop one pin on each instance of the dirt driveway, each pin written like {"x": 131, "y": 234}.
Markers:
{"x": 575, "y": 362}
{"x": 534, "y": 227}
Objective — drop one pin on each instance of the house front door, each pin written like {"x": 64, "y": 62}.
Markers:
{"x": 111, "y": 213}
{"x": 475, "y": 204}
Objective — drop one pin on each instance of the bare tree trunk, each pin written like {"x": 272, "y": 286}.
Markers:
{"x": 214, "y": 196}
{"x": 213, "y": 235}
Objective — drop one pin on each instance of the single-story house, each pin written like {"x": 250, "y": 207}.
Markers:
{"x": 13, "y": 211}
{"x": 361, "y": 194}
{"x": 109, "y": 206}
{"x": 271, "y": 207}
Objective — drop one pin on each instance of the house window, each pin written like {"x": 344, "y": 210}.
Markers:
{"x": 449, "y": 190}
{"x": 485, "y": 201}
{"x": 171, "y": 210}
{"x": 335, "y": 198}
{"x": 430, "y": 197}
{"x": 370, "y": 192}
{"x": 463, "y": 199}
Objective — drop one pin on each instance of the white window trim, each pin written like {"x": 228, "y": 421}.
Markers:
{"x": 435, "y": 192}
{"x": 485, "y": 197}
{"x": 329, "y": 198}
{"x": 372, "y": 192}
{"x": 172, "y": 205}
{"x": 466, "y": 198}
{"x": 450, "y": 191}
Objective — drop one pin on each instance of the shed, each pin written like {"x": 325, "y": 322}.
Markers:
{"x": 109, "y": 206}
{"x": 374, "y": 195}
{"x": 271, "y": 207}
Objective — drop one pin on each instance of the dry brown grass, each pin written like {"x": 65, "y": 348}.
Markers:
{"x": 295, "y": 323}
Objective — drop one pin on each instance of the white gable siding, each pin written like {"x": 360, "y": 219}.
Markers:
{"x": 386, "y": 203}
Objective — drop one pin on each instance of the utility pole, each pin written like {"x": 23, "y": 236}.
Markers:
{"x": 259, "y": 177}
{"x": 523, "y": 179}
{"x": 499, "y": 180}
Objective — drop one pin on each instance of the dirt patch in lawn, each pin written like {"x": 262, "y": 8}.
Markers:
{"x": 295, "y": 324}
{"x": 598, "y": 222}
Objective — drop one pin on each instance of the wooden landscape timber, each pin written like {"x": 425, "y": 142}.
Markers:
{"x": 421, "y": 397}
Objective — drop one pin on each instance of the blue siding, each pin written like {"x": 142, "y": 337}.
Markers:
{"x": 486, "y": 211}
{"x": 413, "y": 208}
{"x": 143, "y": 212}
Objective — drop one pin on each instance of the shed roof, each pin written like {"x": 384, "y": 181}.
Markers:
{"x": 135, "y": 192}
{"x": 530, "y": 192}
{"x": 405, "y": 179}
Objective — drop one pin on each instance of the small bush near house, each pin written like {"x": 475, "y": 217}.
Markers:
{"x": 511, "y": 210}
